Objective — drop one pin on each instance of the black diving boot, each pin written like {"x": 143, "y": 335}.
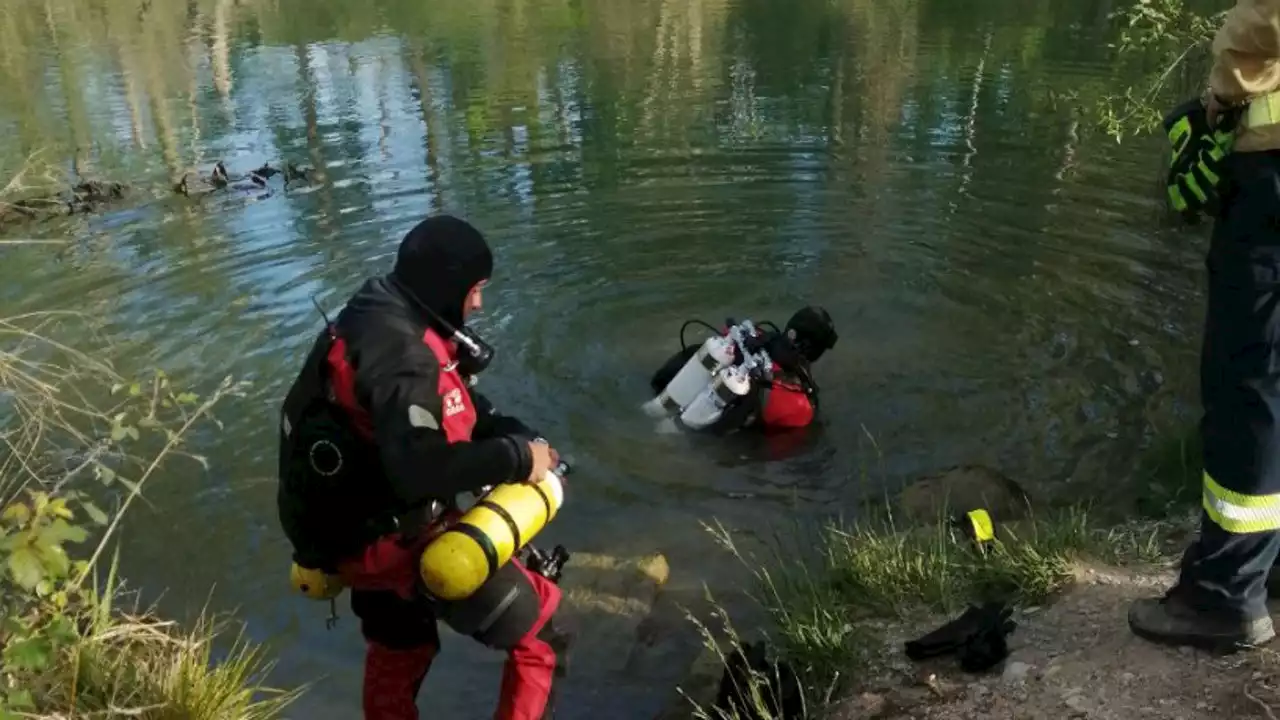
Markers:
{"x": 1171, "y": 621}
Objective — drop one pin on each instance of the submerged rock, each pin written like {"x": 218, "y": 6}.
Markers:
{"x": 960, "y": 489}
{"x": 607, "y": 608}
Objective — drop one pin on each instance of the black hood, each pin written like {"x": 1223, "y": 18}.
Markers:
{"x": 813, "y": 332}
{"x": 438, "y": 263}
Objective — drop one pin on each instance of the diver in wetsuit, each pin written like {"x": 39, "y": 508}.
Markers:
{"x": 746, "y": 376}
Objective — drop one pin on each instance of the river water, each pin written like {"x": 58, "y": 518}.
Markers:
{"x": 1002, "y": 293}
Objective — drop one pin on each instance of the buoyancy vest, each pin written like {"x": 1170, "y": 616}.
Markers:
{"x": 334, "y": 509}
{"x": 458, "y": 412}
{"x": 785, "y": 404}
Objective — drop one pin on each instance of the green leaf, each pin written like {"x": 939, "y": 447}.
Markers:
{"x": 59, "y": 508}
{"x": 55, "y": 559}
{"x": 117, "y": 433}
{"x": 44, "y": 587}
{"x": 117, "y": 388}
{"x": 16, "y": 513}
{"x": 60, "y": 532}
{"x": 131, "y": 486}
{"x": 61, "y": 630}
{"x": 147, "y": 422}
{"x": 94, "y": 512}
{"x": 28, "y": 654}
{"x": 20, "y": 700}
{"x": 187, "y": 398}
{"x": 25, "y": 568}
{"x": 135, "y": 389}
{"x": 132, "y": 432}
{"x": 105, "y": 474}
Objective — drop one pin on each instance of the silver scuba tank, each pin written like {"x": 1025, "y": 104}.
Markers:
{"x": 713, "y": 356}
{"x": 729, "y": 386}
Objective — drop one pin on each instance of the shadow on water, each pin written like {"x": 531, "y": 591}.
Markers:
{"x": 1000, "y": 295}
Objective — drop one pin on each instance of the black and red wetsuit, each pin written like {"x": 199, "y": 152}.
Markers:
{"x": 383, "y": 383}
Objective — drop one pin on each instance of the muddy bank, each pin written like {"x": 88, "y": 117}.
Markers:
{"x": 1076, "y": 658}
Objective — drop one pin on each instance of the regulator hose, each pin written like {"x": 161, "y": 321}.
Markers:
{"x": 685, "y": 346}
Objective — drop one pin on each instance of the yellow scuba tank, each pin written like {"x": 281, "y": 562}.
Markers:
{"x": 457, "y": 562}
{"x": 315, "y": 584}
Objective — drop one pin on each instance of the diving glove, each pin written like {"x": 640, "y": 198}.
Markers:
{"x": 977, "y": 637}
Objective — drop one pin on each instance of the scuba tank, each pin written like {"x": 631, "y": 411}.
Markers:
{"x": 314, "y": 583}
{"x": 457, "y": 562}
{"x": 729, "y": 386}
{"x": 713, "y": 356}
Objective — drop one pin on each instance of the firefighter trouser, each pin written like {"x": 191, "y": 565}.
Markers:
{"x": 399, "y": 627}
{"x": 1225, "y": 570}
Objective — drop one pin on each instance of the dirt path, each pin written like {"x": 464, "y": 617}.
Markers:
{"x": 1077, "y": 659}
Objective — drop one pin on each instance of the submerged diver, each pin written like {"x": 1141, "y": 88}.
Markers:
{"x": 745, "y": 376}
{"x": 381, "y": 432}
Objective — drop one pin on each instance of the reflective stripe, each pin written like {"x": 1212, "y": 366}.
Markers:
{"x": 1263, "y": 111}
{"x": 1239, "y": 513}
{"x": 1189, "y": 180}
{"x": 1209, "y": 175}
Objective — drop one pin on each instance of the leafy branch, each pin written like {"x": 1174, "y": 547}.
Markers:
{"x": 74, "y": 430}
{"x": 1172, "y": 38}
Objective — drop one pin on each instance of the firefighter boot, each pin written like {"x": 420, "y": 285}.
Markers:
{"x": 1171, "y": 621}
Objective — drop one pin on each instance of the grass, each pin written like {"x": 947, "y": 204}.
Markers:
{"x": 127, "y": 662}
{"x": 837, "y": 591}
{"x": 74, "y": 434}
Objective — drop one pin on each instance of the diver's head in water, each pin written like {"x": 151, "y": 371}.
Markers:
{"x": 444, "y": 262}
{"x": 812, "y": 332}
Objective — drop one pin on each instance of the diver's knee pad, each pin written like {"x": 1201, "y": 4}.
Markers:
{"x": 500, "y": 613}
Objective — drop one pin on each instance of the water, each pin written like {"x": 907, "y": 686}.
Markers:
{"x": 1000, "y": 289}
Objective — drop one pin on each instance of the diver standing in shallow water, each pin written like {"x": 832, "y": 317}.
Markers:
{"x": 745, "y": 376}
{"x": 381, "y": 432}
{"x": 1227, "y": 162}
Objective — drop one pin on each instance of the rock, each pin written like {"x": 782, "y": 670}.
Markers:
{"x": 1015, "y": 672}
{"x": 606, "y": 607}
{"x": 961, "y": 489}
{"x": 698, "y": 687}
{"x": 866, "y": 705}
{"x": 1075, "y": 699}
{"x": 1077, "y": 703}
